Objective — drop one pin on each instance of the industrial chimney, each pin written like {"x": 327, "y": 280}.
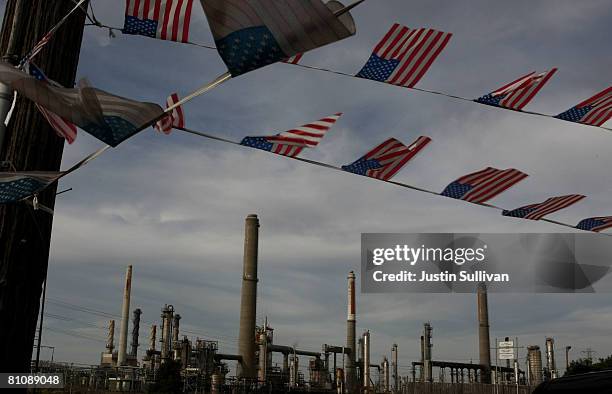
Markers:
{"x": 248, "y": 302}
{"x": 550, "y": 358}
{"x": 350, "y": 335}
{"x": 135, "y": 328}
{"x": 534, "y": 364}
{"x": 484, "y": 345}
{"x": 125, "y": 316}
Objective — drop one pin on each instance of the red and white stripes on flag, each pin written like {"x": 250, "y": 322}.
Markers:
{"x": 308, "y": 135}
{"x": 490, "y": 182}
{"x": 294, "y": 59}
{"x": 594, "y": 111}
{"x": 551, "y": 205}
{"x": 393, "y": 155}
{"x": 414, "y": 49}
{"x": 387, "y": 159}
{"x": 162, "y": 19}
{"x": 483, "y": 185}
{"x": 175, "y": 118}
{"x": 62, "y": 127}
{"x": 517, "y": 94}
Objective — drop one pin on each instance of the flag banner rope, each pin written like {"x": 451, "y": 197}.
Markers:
{"x": 47, "y": 37}
{"x": 292, "y": 61}
{"x": 400, "y": 184}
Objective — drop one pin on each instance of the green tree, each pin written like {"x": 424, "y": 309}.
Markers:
{"x": 584, "y": 365}
{"x": 168, "y": 378}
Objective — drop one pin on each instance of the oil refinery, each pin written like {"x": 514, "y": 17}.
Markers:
{"x": 333, "y": 368}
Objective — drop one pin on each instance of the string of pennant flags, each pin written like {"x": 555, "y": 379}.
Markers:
{"x": 402, "y": 58}
{"x": 254, "y": 34}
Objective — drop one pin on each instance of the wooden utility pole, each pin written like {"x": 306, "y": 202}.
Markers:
{"x": 30, "y": 144}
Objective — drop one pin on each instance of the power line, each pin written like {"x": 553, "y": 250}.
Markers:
{"x": 72, "y": 333}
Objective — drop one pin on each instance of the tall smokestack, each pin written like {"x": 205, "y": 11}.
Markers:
{"x": 125, "y": 316}
{"x": 366, "y": 362}
{"x": 135, "y": 328}
{"x": 176, "y": 346}
{"x": 422, "y": 371}
{"x": 396, "y": 384}
{"x": 248, "y": 302}
{"x": 350, "y": 335}
{"x": 110, "y": 342}
{"x": 484, "y": 345}
{"x": 550, "y": 358}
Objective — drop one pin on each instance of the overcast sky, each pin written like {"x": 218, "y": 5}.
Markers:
{"x": 174, "y": 206}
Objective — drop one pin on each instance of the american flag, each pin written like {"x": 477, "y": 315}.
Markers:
{"x": 404, "y": 55}
{"x": 62, "y": 127}
{"x": 294, "y": 59}
{"x": 594, "y": 111}
{"x": 384, "y": 161}
{"x": 176, "y": 117}
{"x": 596, "y": 224}
{"x": 538, "y": 211}
{"x": 15, "y": 186}
{"x": 483, "y": 185}
{"x": 112, "y": 119}
{"x": 255, "y": 33}
{"x": 517, "y": 94}
{"x": 292, "y": 142}
{"x": 163, "y": 19}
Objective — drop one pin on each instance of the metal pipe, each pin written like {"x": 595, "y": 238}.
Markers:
{"x": 135, "y": 329}
{"x": 484, "y": 344}
{"x": 366, "y": 362}
{"x": 567, "y": 349}
{"x": 248, "y": 302}
{"x": 350, "y": 334}
{"x": 125, "y": 316}
{"x": 290, "y": 350}
{"x": 550, "y": 358}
